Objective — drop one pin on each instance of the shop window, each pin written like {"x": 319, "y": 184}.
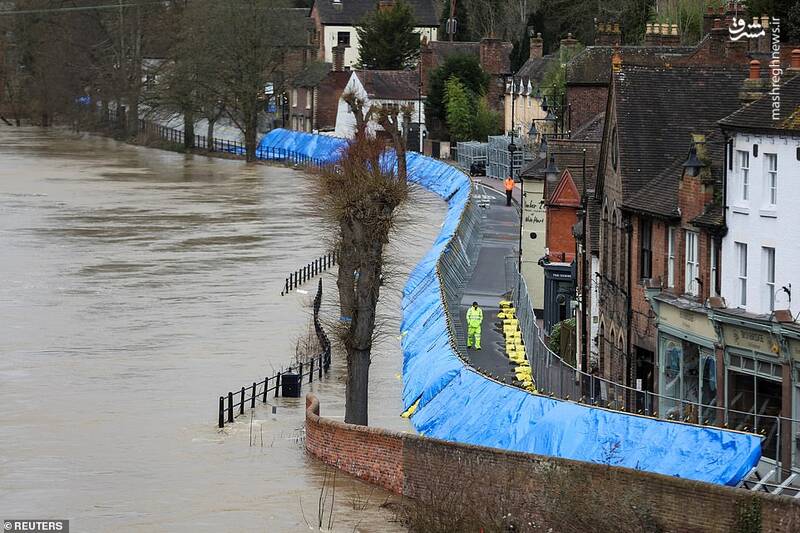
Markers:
{"x": 646, "y": 252}
{"x": 755, "y": 399}
{"x": 689, "y": 383}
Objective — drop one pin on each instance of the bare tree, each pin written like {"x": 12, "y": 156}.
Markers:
{"x": 360, "y": 199}
{"x": 396, "y": 121}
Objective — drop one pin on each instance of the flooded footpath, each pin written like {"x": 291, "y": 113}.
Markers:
{"x": 136, "y": 287}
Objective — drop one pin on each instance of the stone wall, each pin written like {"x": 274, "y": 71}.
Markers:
{"x": 538, "y": 492}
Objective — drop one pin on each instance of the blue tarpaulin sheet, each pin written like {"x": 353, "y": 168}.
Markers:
{"x": 458, "y": 404}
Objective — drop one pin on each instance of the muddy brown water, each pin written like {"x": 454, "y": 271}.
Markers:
{"x": 136, "y": 286}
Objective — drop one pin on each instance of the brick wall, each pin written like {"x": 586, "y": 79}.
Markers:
{"x": 469, "y": 479}
{"x": 586, "y": 101}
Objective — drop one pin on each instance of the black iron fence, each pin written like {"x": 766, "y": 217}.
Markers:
{"x": 314, "y": 268}
{"x": 286, "y": 382}
{"x": 176, "y": 136}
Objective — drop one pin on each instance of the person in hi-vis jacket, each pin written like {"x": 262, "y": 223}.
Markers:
{"x": 474, "y": 321}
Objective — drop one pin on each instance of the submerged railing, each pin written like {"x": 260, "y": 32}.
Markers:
{"x": 289, "y": 380}
{"x": 314, "y": 268}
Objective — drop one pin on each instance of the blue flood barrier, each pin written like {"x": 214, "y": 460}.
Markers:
{"x": 458, "y": 404}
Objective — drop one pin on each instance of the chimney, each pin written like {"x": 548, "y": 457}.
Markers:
{"x": 536, "y": 46}
{"x": 616, "y": 61}
{"x": 495, "y": 56}
{"x": 719, "y": 36}
{"x": 568, "y": 45}
{"x": 764, "y": 43}
{"x": 607, "y": 34}
{"x": 708, "y": 20}
{"x": 754, "y": 86}
{"x": 652, "y": 34}
{"x": 794, "y": 66}
{"x": 338, "y": 58}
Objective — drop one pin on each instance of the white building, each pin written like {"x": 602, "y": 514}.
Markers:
{"x": 761, "y": 251}
{"x": 380, "y": 88}
{"x": 336, "y": 22}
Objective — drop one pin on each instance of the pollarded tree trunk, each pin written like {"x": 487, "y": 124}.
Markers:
{"x": 188, "y": 129}
{"x": 210, "y": 134}
{"x": 251, "y": 133}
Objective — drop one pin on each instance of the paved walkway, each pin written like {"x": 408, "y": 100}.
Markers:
{"x": 487, "y": 284}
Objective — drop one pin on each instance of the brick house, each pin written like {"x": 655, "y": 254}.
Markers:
{"x": 336, "y": 20}
{"x": 493, "y": 55}
{"x": 314, "y": 98}
{"x": 638, "y": 189}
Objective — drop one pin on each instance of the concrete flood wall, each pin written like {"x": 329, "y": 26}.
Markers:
{"x": 463, "y": 478}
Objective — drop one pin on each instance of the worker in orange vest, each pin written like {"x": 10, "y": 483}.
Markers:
{"x": 509, "y": 183}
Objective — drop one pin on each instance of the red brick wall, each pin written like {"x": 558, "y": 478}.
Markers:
{"x": 427, "y": 469}
{"x": 372, "y": 454}
{"x": 586, "y": 101}
{"x": 559, "y": 232}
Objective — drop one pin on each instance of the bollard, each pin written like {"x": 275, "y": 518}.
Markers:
{"x": 241, "y": 403}
{"x": 277, "y": 383}
{"x": 266, "y": 386}
{"x": 222, "y": 411}
{"x": 253, "y": 398}
{"x": 311, "y": 372}
{"x": 230, "y": 407}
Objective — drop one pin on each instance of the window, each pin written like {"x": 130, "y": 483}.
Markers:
{"x": 646, "y": 253}
{"x": 343, "y": 38}
{"x": 744, "y": 174}
{"x": 294, "y": 97}
{"x": 712, "y": 260}
{"x": 692, "y": 263}
{"x": 768, "y": 266}
{"x": 741, "y": 258}
{"x": 671, "y": 257}
{"x": 771, "y": 164}
{"x": 309, "y": 97}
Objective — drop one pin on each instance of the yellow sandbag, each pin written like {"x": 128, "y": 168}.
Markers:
{"x": 410, "y": 411}
{"x": 506, "y": 303}
{"x": 511, "y": 322}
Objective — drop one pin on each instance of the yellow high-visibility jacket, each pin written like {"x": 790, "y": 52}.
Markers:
{"x": 474, "y": 316}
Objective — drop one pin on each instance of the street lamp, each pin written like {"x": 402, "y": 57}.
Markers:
{"x": 551, "y": 172}
{"x": 693, "y": 163}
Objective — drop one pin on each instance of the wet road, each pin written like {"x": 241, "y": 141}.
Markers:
{"x": 138, "y": 285}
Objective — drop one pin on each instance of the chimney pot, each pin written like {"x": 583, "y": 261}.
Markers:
{"x": 796, "y": 58}
{"x": 536, "y": 45}
{"x": 717, "y": 24}
{"x": 649, "y": 28}
{"x": 755, "y": 69}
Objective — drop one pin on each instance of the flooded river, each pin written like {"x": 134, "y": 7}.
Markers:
{"x": 136, "y": 287}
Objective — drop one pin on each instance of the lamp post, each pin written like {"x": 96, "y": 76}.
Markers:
{"x": 512, "y": 148}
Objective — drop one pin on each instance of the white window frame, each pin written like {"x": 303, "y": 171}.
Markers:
{"x": 743, "y": 161}
{"x": 309, "y": 95}
{"x": 768, "y": 268}
{"x": 294, "y": 97}
{"x": 671, "y": 257}
{"x": 741, "y": 260}
{"x": 692, "y": 261}
{"x": 771, "y": 181}
{"x": 712, "y": 261}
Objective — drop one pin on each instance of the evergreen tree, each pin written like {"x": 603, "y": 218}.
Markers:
{"x": 468, "y": 71}
{"x": 460, "y": 109}
{"x": 387, "y": 39}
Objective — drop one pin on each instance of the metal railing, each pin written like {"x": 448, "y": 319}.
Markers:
{"x": 234, "y": 403}
{"x": 556, "y": 378}
{"x": 201, "y": 142}
{"x": 314, "y": 268}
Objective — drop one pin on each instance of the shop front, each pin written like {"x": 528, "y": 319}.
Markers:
{"x": 688, "y": 377}
{"x": 754, "y": 375}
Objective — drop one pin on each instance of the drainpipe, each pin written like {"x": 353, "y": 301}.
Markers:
{"x": 629, "y": 231}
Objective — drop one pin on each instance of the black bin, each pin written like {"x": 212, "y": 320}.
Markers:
{"x": 290, "y": 385}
